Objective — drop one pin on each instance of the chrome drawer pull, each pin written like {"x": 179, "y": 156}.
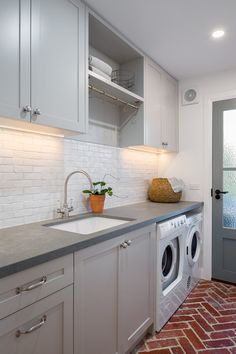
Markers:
{"x": 33, "y": 328}
{"x": 22, "y": 289}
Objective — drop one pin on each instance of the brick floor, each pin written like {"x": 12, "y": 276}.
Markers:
{"x": 205, "y": 323}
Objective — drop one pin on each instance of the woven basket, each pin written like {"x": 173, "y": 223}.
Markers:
{"x": 161, "y": 191}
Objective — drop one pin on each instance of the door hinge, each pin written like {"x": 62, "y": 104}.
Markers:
{"x": 211, "y": 192}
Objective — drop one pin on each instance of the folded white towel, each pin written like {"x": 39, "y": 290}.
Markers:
{"x": 100, "y": 64}
{"x": 99, "y": 72}
{"x": 176, "y": 184}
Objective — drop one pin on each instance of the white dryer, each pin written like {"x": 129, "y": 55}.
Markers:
{"x": 193, "y": 248}
{"x": 171, "y": 281}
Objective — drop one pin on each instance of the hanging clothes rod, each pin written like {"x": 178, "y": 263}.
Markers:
{"x": 102, "y": 92}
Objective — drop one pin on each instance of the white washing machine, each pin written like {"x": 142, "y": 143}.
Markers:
{"x": 171, "y": 281}
{"x": 193, "y": 248}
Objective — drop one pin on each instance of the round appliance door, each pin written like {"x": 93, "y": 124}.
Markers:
{"x": 168, "y": 262}
{"x": 193, "y": 245}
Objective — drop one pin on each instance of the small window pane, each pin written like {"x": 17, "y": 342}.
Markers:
{"x": 229, "y": 156}
{"x": 229, "y": 200}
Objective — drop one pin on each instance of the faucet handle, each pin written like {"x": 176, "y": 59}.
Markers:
{"x": 59, "y": 208}
{"x": 70, "y": 207}
{"x": 65, "y": 210}
{"x": 61, "y": 212}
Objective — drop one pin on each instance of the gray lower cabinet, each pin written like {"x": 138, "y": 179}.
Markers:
{"x": 113, "y": 295}
{"x": 44, "y": 327}
{"x": 136, "y": 291}
{"x": 42, "y": 61}
{"x": 96, "y": 299}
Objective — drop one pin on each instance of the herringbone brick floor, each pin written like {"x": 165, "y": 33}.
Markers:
{"x": 205, "y": 323}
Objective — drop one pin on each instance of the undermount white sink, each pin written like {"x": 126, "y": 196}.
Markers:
{"x": 89, "y": 225}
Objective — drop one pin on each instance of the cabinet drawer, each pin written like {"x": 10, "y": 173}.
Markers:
{"x": 44, "y": 327}
{"x": 26, "y": 287}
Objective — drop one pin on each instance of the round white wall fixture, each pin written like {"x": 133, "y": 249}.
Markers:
{"x": 190, "y": 96}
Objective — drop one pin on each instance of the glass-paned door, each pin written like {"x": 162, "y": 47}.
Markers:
{"x": 224, "y": 191}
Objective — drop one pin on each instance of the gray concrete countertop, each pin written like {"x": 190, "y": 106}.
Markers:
{"x": 25, "y": 246}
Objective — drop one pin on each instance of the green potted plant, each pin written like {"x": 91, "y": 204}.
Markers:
{"x": 97, "y": 195}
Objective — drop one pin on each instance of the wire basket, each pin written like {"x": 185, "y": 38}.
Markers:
{"x": 123, "y": 78}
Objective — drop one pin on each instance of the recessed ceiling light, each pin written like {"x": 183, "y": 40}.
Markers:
{"x": 218, "y": 34}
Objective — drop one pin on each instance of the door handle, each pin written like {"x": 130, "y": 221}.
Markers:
{"x": 218, "y": 192}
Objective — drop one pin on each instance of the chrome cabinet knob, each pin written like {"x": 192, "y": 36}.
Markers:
{"x": 27, "y": 109}
{"x": 124, "y": 245}
{"x": 129, "y": 242}
{"x": 36, "y": 112}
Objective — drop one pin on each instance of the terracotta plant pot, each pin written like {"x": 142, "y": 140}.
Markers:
{"x": 97, "y": 203}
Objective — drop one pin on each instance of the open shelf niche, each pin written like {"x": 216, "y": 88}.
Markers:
{"x": 112, "y": 108}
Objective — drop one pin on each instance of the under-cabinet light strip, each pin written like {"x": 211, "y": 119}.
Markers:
{"x": 25, "y": 130}
{"x": 102, "y": 92}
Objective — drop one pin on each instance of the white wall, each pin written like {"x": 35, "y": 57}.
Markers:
{"x": 193, "y": 162}
{"x": 33, "y": 168}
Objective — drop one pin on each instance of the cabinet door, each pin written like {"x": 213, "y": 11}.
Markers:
{"x": 136, "y": 288}
{"x": 49, "y": 324}
{"x": 152, "y": 104}
{"x": 14, "y": 58}
{"x": 58, "y": 57}
{"x": 169, "y": 113}
{"x": 96, "y": 290}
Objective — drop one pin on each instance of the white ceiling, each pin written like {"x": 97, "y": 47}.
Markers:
{"x": 177, "y": 33}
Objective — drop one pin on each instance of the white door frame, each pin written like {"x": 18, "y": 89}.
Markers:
{"x": 207, "y": 150}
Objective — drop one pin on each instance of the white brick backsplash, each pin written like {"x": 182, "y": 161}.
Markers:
{"x": 33, "y": 169}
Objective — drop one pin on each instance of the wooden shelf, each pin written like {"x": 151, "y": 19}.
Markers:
{"x": 113, "y": 89}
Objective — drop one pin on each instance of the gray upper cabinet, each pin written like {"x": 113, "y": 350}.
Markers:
{"x": 169, "y": 113}
{"x": 43, "y": 62}
{"x": 57, "y": 52}
{"x": 152, "y": 111}
{"x": 155, "y": 127}
{"x": 161, "y": 109}
{"x": 14, "y": 58}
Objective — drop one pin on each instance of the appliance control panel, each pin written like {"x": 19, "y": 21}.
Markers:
{"x": 171, "y": 225}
